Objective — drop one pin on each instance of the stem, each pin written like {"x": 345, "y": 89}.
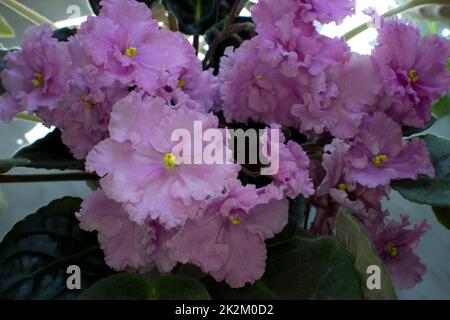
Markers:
{"x": 28, "y": 117}
{"x": 402, "y": 8}
{"x": 23, "y": 178}
{"x": 27, "y": 13}
{"x": 196, "y": 43}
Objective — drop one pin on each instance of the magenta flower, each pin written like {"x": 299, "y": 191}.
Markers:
{"x": 138, "y": 167}
{"x": 35, "y": 76}
{"x": 379, "y": 154}
{"x": 413, "y": 69}
{"x": 395, "y": 244}
{"x": 228, "y": 240}
{"x": 127, "y": 245}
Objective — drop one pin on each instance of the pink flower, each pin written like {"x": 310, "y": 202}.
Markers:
{"x": 395, "y": 244}
{"x": 413, "y": 69}
{"x": 306, "y": 11}
{"x": 138, "y": 167}
{"x": 379, "y": 154}
{"x": 127, "y": 245}
{"x": 35, "y": 76}
{"x": 228, "y": 240}
{"x": 292, "y": 177}
{"x": 127, "y": 45}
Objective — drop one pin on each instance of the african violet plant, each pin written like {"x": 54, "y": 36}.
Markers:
{"x": 338, "y": 124}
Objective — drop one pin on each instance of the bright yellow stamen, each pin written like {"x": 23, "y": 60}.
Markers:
{"x": 38, "y": 79}
{"x": 87, "y": 104}
{"x": 341, "y": 186}
{"x": 236, "y": 221}
{"x": 391, "y": 249}
{"x": 131, "y": 52}
{"x": 412, "y": 74}
{"x": 181, "y": 84}
{"x": 378, "y": 160}
{"x": 169, "y": 160}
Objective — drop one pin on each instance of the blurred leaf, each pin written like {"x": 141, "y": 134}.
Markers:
{"x": 49, "y": 153}
{"x": 443, "y": 215}
{"x": 6, "y": 31}
{"x": 301, "y": 269}
{"x": 354, "y": 239}
{"x": 35, "y": 254}
{"x": 433, "y": 191}
{"x": 132, "y": 286}
{"x": 442, "y": 107}
{"x": 197, "y": 16}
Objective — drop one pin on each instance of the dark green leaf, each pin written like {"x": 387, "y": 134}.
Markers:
{"x": 442, "y": 107}
{"x": 301, "y": 269}
{"x": 443, "y": 215}
{"x": 64, "y": 34}
{"x": 197, "y": 16}
{"x": 35, "y": 254}
{"x": 433, "y": 191}
{"x": 355, "y": 241}
{"x": 131, "y": 286}
{"x": 49, "y": 153}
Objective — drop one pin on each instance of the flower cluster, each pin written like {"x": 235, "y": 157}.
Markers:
{"x": 121, "y": 86}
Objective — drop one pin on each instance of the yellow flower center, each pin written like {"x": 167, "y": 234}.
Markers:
{"x": 181, "y": 84}
{"x": 259, "y": 77}
{"x": 169, "y": 159}
{"x": 86, "y": 102}
{"x": 412, "y": 74}
{"x": 236, "y": 221}
{"x": 341, "y": 186}
{"x": 378, "y": 160}
{"x": 390, "y": 249}
{"x": 131, "y": 52}
{"x": 38, "y": 79}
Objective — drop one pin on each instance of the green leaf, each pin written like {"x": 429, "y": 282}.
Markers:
{"x": 355, "y": 241}
{"x": 442, "y": 107}
{"x": 35, "y": 254}
{"x": 132, "y": 286}
{"x": 47, "y": 153}
{"x": 433, "y": 191}
{"x": 64, "y": 34}
{"x": 6, "y": 31}
{"x": 197, "y": 16}
{"x": 301, "y": 269}
{"x": 443, "y": 215}
{"x": 3, "y": 202}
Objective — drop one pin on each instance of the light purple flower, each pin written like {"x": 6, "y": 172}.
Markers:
{"x": 307, "y": 11}
{"x": 395, "y": 244}
{"x": 127, "y": 245}
{"x": 379, "y": 154}
{"x": 413, "y": 69}
{"x": 137, "y": 163}
{"x": 35, "y": 76}
{"x": 127, "y": 45}
{"x": 228, "y": 240}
